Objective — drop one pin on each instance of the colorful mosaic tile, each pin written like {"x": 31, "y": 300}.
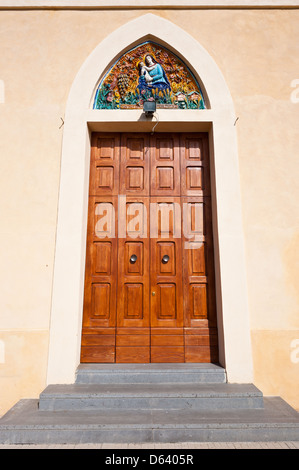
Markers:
{"x": 146, "y": 73}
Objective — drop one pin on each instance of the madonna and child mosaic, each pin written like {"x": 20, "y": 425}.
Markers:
{"x": 149, "y": 73}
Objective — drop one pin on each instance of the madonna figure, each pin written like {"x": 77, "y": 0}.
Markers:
{"x": 152, "y": 75}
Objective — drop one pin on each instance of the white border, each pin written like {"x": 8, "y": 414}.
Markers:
{"x": 68, "y": 283}
{"x": 137, "y": 4}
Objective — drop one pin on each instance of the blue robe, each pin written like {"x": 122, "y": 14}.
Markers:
{"x": 160, "y": 80}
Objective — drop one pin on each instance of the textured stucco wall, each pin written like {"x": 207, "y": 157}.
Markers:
{"x": 40, "y": 54}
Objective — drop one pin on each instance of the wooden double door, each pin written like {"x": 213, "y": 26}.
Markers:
{"x": 149, "y": 279}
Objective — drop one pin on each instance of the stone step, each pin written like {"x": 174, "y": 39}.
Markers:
{"x": 149, "y": 373}
{"x": 150, "y": 397}
{"x": 25, "y": 424}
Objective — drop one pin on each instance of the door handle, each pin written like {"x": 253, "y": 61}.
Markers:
{"x": 133, "y": 259}
{"x": 165, "y": 259}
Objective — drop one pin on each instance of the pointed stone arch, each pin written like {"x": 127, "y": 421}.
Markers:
{"x": 80, "y": 120}
{"x": 124, "y": 86}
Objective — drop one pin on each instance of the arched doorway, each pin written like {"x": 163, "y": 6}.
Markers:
{"x": 149, "y": 278}
{"x": 218, "y": 121}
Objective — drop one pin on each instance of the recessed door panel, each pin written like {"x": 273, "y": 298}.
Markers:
{"x": 166, "y": 261}
{"x": 135, "y": 162}
{"x": 104, "y": 178}
{"x": 134, "y": 178}
{"x": 99, "y": 313}
{"x": 133, "y": 280}
{"x": 166, "y": 301}
{"x": 104, "y": 165}
{"x": 100, "y": 298}
{"x": 102, "y": 258}
{"x": 134, "y": 300}
{"x": 165, "y": 165}
{"x": 105, "y": 147}
{"x": 198, "y": 297}
{"x": 166, "y": 258}
{"x": 134, "y": 258}
{"x": 194, "y": 163}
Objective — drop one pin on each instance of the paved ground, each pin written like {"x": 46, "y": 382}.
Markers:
{"x": 186, "y": 445}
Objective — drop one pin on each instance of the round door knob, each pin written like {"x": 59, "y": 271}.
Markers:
{"x": 133, "y": 259}
{"x": 165, "y": 259}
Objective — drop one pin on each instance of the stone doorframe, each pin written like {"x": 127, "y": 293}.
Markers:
{"x": 80, "y": 121}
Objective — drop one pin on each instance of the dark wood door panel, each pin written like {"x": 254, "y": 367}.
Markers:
{"x": 99, "y": 312}
{"x": 104, "y": 162}
{"x": 133, "y": 282}
{"x": 166, "y": 261}
{"x": 135, "y": 164}
{"x": 194, "y": 161}
{"x": 165, "y": 165}
{"x": 149, "y": 280}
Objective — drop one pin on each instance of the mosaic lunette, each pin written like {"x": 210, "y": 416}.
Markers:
{"x": 149, "y": 72}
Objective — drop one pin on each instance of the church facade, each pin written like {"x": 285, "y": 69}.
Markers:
{"x": 149, "y": 189}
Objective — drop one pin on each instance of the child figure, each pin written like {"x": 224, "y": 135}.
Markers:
{"x": 143, "y": 72}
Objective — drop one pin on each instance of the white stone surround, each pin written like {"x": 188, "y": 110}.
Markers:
{"x": 80, "y": 120}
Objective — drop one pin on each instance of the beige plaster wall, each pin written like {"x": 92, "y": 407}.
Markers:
{"x": 40, "y": 54}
